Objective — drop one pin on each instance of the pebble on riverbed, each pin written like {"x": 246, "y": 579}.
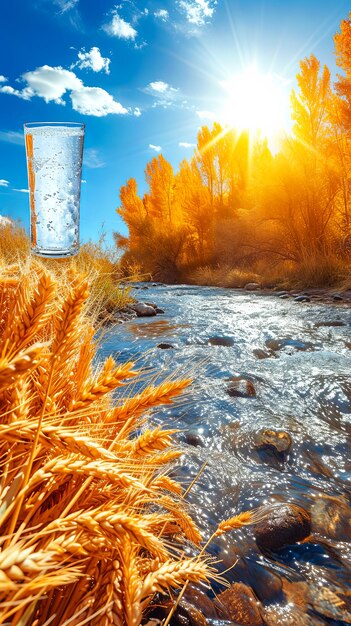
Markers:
{"x": 221, "y": 341}
{"x": 302, "y": 299}
{"x": 240, "y": 387}
{"x": 278, "y": 441}
{"x": 285, "y": 524}
{"x": 331, "y": 517}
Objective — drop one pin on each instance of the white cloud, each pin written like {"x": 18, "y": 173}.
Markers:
{"x": 165, "y": 93}
{"x": 51, "y": 83}
{"x": 156, "y": 148}
{"x": 159, "y": 86}
{"x": 4, "y": 183}
{"x": 83, "y": 180}
{"x": 95, "y": 101}
{"x": 5, "y": 221}
{"x": 11, "y": 136}
{"x": 207, "y": 115}
{"x": 3, "y": 79}
{"x": 92, "y": 158}
{"x": 185, "y": 144}
{"x": 162, "y": 14}
{"x": 197, "y": 12}
{"x": 137, "y": 112}
{"x": 93, "y": 60}
{"x": 118, "y": 27}
{"x": 25, "y": 93}
{"x": 66, "y": 5}
{"x": 21, "y": 190}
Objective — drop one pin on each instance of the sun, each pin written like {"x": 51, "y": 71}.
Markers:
{"x": 256, "y": 102}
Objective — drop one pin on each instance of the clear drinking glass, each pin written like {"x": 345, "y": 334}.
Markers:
{"x": 54, "y": 162}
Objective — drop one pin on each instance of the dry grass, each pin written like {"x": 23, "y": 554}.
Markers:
{"x": 223, "y": 276}
{"x": 87, "y": 511}
{"x": 323, "y": 271}
{"x": 99, "y": 262}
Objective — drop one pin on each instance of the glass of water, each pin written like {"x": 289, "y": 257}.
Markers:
{"x": 54, "y": 162}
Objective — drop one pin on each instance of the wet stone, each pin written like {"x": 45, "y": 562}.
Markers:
{"x": 261, "y": 354}
{"x": 239, "y": 604}
{"x": 286, "y": 342}
{"x": 273, "y": 344}
{"x": 277, "y": 441}
{"x": 284, "y": 525}
{"x": 302, "y": 299}
{"x": 337, "y": 297}
{"x": 144, "y": 310}
{"x": 252, "y": 286}
{"x": 159, "y": 311}
{"x": 221, "y": 341}
{"x": 331, "y": 518}
{"x": 240, "y": 387}
{"x": 284, "y": 296}
{"x": 165, "y": 346}
{"x": 193, "y": 439}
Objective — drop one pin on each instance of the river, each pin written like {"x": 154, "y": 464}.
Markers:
{"x": 298, "y": 359}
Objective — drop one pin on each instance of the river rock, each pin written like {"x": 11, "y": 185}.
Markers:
{"x": 239, "y": 604}
{"x": 284, "y": 296}
{"x": 286, "y": 342}
{"x": 144, "y": 310}
{"x": 282, "y": 293}
{"x": 285, "y": 524}
{"x": 252, "y": 286}
{"x": 273, "y": 344}
{"x": 302, "y": 299}
{"x": 331, "y": 517}
{"x": 278, "y": 441}
{"x": 193, "y": 439}
{"x": 165, "y": 346}
{"x": 159, "y": 311}
{"x": 240, "y": 387}
{"x": 221, "y": 341}
{"x": 261, "y": 354}
{"x": 337, "y": 297}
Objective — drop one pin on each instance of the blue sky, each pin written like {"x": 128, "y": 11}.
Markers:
{"x": 142, "y": 75}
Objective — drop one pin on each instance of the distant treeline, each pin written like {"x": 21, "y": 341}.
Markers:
{"x": 235, "y": 204}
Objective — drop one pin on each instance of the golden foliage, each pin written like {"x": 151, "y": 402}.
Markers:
{"x": 236, "y": 205}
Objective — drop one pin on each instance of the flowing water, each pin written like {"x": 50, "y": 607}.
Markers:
{"x": 298, "y": 357}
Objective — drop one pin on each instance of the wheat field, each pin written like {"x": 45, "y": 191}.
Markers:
{"x": 92, "y": 523}
{"x": 82, "y": 540}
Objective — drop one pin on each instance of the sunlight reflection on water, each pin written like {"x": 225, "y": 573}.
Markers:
{"x": 302, "y": 386}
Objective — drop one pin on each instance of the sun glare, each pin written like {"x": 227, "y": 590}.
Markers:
{"x": 257, "y": 102}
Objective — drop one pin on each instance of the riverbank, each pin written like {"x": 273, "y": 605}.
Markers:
{"x": 140, "y": 307}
